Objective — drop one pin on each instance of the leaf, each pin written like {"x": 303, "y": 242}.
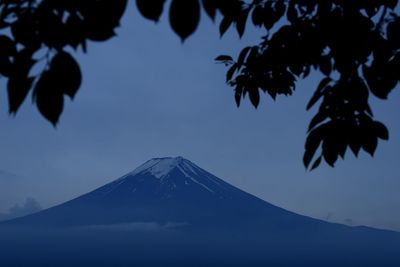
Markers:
{"x": 238, "y": 94}
{"x": 325, "y": 65}
{"x": 354, "y": 140}
{"x": 151, "y": 9}
{"x": 379, "y": 80}
{"x": 66, "y": 73}
{"x": 7, "y": 46}
{"x": 257, "y": 16}
{"x": 230, "y": 72}
{"x": 269, "y": 18}
{"x": 210, "y": 8}
{"x": 224, "y": 25}
{"x": 254, "y": 95}
{"x": 241, "y": 21}
{"x": 317, "y": 119}
{"x": 75, "y": 33}
{"x": 330, "y": 157}
{"x": 393, "y": 31}
{"x": 316, "y": 163}
{"x": 223, "y": 58}
{"x": 307, "y": 157}
{"x": 103, "y": 13}
{"x": 101, "y": 17}
{"x": 242, "y": 55}
{"x": 5, "y": 66}
{"x": 370, "y": 142}
{"x": 313, "y": 141}
{"x": 329, "y": 150}
{"x": 319, "y": 92}
{"x": 51, "y": 29}
{"x": 49, "y": 99}
{"x": 25, "y": 31}
{"x": 99, "y": 34}
{"x": 8, "y": 49}
{"x": 19, "y": 83}
{"x": 381, "y": 130}
{"x": 17, "y": 89}
{"x": 184, "y": 16}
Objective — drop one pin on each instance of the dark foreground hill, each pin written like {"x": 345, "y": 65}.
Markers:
{"x": 170, "y": 212}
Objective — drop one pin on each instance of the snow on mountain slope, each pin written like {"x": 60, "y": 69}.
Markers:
{"x": 172, "y": 171}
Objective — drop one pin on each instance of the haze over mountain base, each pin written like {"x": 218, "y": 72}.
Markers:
{"x": 170, "y": 212}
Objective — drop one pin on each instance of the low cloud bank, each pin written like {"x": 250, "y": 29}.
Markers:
{"x": 30, "y": 206}
{"x": 137, "y": 226}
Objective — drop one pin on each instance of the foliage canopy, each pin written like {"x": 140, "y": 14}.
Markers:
{"x": 353, "y": 43}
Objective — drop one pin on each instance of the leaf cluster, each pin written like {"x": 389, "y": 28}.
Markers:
{"x": 40, "y": 33}
{"x": 353, "y": 44}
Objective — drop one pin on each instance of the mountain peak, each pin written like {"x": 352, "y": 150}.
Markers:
{"x": 160, "y": 167}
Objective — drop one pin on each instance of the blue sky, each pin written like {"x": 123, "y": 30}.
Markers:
{"x": 147, "y": 95}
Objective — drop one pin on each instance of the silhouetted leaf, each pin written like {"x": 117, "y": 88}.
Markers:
{"x": 325, "y": 65}
{"x": 319, "y": 92}
{"x": 316, "y": 163}
{"x": 317, "y": 119}
{"x": 257, "y": 16}
{"x": 101, "y": 17}
{"x": 67, "y": 73}
{"x": 49, "y": 98}
{"x": 329, "y": 148}
{"x": 223, "y": 58}
{"x": 254, "y": 96}
{"x": 51, "y": 28}
{"x": 25, "y": 31}
{"x": 242, "y": 55}
{"x": 224, "y": 25}
{"x": 7, "y": 50}
{"x": 393, "y": 32}
{"x": 269, "y": 17}
{"x": 381, "y": 130}
{"x": 75, "y": 32}
{"x": 210, "y": 7}
{"x": 313, "y": 141}
{"x": 354, "y": 140}
{"x": 370, "y": 142}
{"x": 184, "y": 16}
{"x": 241, "y": 21}
{"x": 22, "y": 64}
{"x": 330, "y": 156}
{"x": 17, "y": 89}
{"x": 380, "y": 82}
{"x": 7, "y": 46}
{"x": 151, "y": 9}
{"x": 231, "y": 71}
{"x": 238, "y": 94}
{"x": 104, "y": 13}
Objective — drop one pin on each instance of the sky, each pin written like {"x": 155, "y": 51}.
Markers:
{"x": 146, "y": 95}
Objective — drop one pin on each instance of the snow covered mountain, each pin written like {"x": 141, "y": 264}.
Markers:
{"x": 190, "y": 211}
{"x": 164, "y": 190}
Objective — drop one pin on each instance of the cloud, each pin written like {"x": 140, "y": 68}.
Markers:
{"x": 329, "y": 216}
{"x": 30, "y": 206}
{"x": 137, "y": 226}
{"x": 348, "y": 221}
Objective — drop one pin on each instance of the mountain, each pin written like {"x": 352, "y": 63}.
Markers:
{"x": 165, "y": 190}
{"x": 172, "y": 203}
